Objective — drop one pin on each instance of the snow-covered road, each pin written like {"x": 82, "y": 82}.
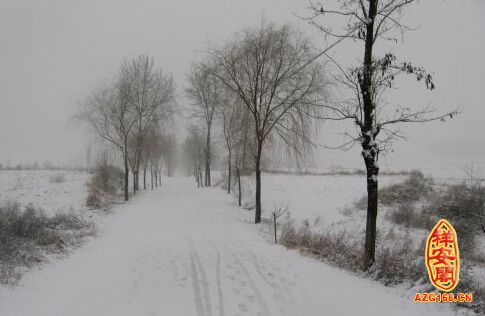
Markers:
{"x": 186, "y": 251}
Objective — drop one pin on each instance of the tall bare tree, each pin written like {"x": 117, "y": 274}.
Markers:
{"x": 169, "y": 153}
{"x": 272, "y": 71}
{"x": 234, "y": 116}
{"x": 151, "y": 97}
{"x": 206, "y": 92}
{"x": 229, "y": 117}
{"x": 153, "y": 153}
{"x": 369, "y": 23}
{"x": 193, "y": 152}
{"x": 107, "y": 112}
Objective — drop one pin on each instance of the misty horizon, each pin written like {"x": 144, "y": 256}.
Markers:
{"x": 55, "y": 52}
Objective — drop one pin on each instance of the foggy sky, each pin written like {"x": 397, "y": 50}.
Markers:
{"x": 52, "y": 53}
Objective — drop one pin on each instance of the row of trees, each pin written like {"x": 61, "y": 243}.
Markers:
{"x": 128, "y": 115}
{"x": 46, "y": 165}
{"x": 263, "y": 88}
{"x": 233, "y": 123}
{"x": 267, "y": 87}
{"x": 370, "y": 24}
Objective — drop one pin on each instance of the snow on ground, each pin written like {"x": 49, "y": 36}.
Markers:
{"x": 322, "y": 200}
{"x": 40, "y": 188}
{"x": 327, "y": 202}
{"x": 186, "y": 251}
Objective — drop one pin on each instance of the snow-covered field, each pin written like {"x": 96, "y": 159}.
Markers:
{"x": 42, "y": 189}
{"x": 327, "y": 203}
{"x": 324, "y": 201}
{"x": 180, "y": 250}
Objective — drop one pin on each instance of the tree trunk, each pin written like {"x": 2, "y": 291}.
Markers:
{"x": 134, "y": 182}
{"x": 127, "y": 172}
{"x": 208, "y": 160}
{"x": 145, "y": 177}
{"x": 371, "y": 224}
{"x": 156, "y": 177}
{"x": 275, "y": 228}
{"x": 196, "y": 175}
{"x": 137, "y": 182}
{"x": 229, "y": 174}
{"x": 151, "y": 176}
{"x": 369, "y": 131}
{"x": 238, "y": 173}
{"x": 257, "y": 215}
{"x": 207, "y": 182}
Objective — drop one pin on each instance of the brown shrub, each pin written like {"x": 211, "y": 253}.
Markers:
{"x": 25, "y": 235}
{"x": 414, "y": 188}
{"x": 107, "y": 181}
{"x": 396, "y": 263}
{"x": 335, "y": 248}
{"x": 406, "y": 215}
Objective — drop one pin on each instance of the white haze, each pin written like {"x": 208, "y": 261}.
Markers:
{"x": 52, "y": 53}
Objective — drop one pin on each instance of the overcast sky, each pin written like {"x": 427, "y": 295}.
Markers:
{"x": 52, "y": 53}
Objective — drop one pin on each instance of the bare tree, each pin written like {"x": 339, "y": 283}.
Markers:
{"x": 229, "y": 115}
{"x": 369, "y": 23}
{"x": 272, "y": 71}
{"x": 124, "y": 112}
{"x": 236, "y": 125}
{"x": 206, "y": 92}
{"x": 107, "y": 112}
{"x": 169, "y": 152}
{"x": 153, "y": 152}
{"x": 151, "y": 96}
{"x": 244, "y": 148}
{"x": 194, "y": 154}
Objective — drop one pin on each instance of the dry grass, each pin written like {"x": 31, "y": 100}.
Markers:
{"x": 106, "y": 183}
{"x": 409, "y": 216}
{"x": 395, "y": 263}
{"x": 469, "y": 284}
{"x": 27, "y": 234}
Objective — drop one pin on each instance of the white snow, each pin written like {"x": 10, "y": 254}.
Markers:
{"x": 323, "y": 199}
{"x": 36, "y": 187}
{"x": 186, "y": 251}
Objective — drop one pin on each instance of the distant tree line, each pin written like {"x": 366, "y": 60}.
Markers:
{"x": 45, "y": 165}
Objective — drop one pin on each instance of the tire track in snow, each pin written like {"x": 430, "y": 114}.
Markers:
{"x": 219, "y": 284}
{"x": 199, "y": 306}
{"x": 202, "y": 294}
{"x": 257, "y": 293}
